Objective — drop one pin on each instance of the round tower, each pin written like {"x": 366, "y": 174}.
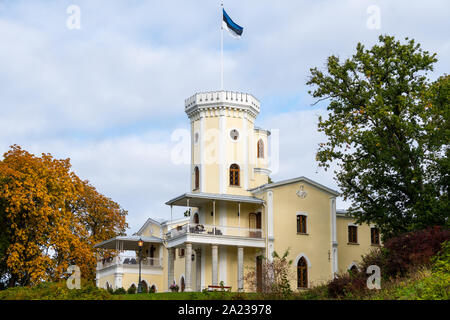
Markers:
{"x": 228, "y": 154}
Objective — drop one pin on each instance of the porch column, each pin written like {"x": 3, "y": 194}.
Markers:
{"x": 214, "y": 264}
{"x": 188, "y": 267}
{"x": 240, "y": 266}
{"x": 198, "y": 269}
{"x": 170, "y": 267}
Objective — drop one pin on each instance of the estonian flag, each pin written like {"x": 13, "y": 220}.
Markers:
{"x": 234, "y": 29}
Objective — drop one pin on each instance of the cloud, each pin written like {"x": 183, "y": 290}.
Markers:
{"x": 110, "y": 94}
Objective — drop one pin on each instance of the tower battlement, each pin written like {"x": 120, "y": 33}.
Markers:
{"x": 237, "y": 100}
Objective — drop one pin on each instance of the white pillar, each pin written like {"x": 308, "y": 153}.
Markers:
{"x": 198, "y": 269}
{"x": 240, "y": 267}
{"x": 170, "y": 267}
{"x": 188, "y": 267}
{"x": 214, "y": 265}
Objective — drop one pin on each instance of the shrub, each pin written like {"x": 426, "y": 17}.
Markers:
{"x": 131, "y": 290}
{"x": 120, "y": 291}
{"x": 347, "y": 285}
{"x": 398, "y": 257}
{"x": 412, "y": 250}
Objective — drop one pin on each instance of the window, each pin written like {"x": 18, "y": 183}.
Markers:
{"x": 301, "y": 223}
{"x": 302, "y": 273}
{"x": 196, "y": 178}
{"x": 181, "y": 252}
{"x": 352, "y": 234}
{"x": 234, "y": 134}
{"x": 196, "y": 137}
{"x": 353, "y": 269}
{"x": 234, "y": 175}
{"x": 260, "y": 148}
{"x": 196, "y": 219}
{"x": 374, "y": 236}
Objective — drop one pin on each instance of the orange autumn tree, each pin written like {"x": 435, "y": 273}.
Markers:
{"x": 50, "y": 219}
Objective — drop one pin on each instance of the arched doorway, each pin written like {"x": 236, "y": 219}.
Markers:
{"x": 302, "y": 273}
{"x": 182, "y": 285}
{"x": 196, "y": 218}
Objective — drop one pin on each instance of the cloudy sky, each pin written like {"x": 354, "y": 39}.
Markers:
{"x": 110, "y": 94}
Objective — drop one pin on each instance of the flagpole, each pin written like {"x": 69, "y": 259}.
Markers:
{"x": 221, "y": 48}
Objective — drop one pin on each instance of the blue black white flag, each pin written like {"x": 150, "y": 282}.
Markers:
{"x": 228, "y": 24}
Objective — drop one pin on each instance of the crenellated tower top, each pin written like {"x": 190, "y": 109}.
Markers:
{"x": 217, "y": 100}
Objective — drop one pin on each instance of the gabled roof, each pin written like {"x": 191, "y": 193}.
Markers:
{"x": 294, "y": 180}
{"x": 145, "y": 225}
{"x": 128, "y": 242}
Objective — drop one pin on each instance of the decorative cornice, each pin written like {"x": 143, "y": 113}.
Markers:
{"x": 217, "y": 103}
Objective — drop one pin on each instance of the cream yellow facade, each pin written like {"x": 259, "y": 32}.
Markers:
{"x": 236, "y": 215}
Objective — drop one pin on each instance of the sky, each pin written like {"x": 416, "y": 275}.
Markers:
{"x": 110, "y": 94}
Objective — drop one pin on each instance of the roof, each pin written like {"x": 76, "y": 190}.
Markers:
{"x": 294, "y": 180}
{"x": 149, "y": 221}
{"x": 129, "y": 242}
{"x": 199, "y": 198}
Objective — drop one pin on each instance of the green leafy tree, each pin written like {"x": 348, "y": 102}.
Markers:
{"x": 387, "y": 130}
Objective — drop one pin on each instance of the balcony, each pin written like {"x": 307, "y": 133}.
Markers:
{"x": 205, "y": 229}
{"x": 129, "y": 261}
{"x": 209, "y": 234}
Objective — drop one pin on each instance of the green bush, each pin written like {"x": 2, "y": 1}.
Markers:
{"x": 55, "y": 291}
{"x": 131, "y": 290}
{"x": 120, "y": 291}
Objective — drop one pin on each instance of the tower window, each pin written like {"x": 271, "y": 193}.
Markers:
{"x": 234, "y": 175}
{"x": 196, "y": 178}
{"x": 196, "y": 137}
{"x": 260, "y": 148}
{"x": 234, "y": 134}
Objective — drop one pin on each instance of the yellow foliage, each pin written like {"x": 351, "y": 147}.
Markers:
{"x": 51, "y": 218}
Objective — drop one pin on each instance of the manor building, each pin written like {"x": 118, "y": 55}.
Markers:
{"x": 236, "y": 216}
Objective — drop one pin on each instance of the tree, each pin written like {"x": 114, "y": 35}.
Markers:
{"x": 387, "y": 130}
{"x": 276, "y": 275}
{"x": 49, "y": 219}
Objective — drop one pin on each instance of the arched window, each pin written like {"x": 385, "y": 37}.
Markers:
{"x": 260, "y": 148}
{"x": 354, "y": 269}
{"x": 234, "y": 175}
{"x": 196, "y": 219}
{"x": 196, "y": 178}
{"x": 302, "y": 273}
{"x": 182, "y": 285}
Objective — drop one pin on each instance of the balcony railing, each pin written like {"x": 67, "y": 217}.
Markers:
{"x": 146, "y": 262}
{"x": 214, "y": 230}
